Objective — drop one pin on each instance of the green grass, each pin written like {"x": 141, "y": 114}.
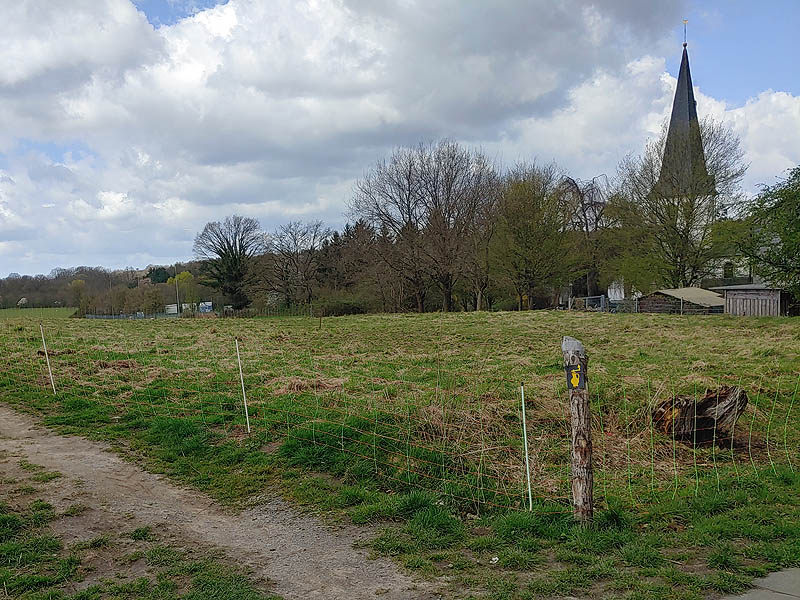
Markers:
{"x": 36, "y": 313}
{"x": 35, "y": 565}
{"x": 140, "y": 533}
{"x": 45, "y": 476}
{"x": 413, "y": 421}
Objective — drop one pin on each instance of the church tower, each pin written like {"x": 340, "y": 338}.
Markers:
{"x": 683, "y": 167}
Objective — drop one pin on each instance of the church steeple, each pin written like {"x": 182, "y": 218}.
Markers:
{"x": 683, "y": 168}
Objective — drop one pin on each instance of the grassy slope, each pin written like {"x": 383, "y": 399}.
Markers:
{"x": 398, "y": 403}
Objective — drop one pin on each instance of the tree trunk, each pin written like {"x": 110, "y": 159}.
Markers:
{"x": 446, "y": 285}
{"x": 592, "y": 286}
{"x": 420, "y": 301}
{"x": 701, "y": 421}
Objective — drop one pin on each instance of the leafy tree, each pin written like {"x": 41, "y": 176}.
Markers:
{"x": 152, "y": 300}
{"x": 770, "y": 235}
{"x": 187, "y": 287}
{"x": 227, "y": 248}
{"x": 158, "y": 275}
{"x": 347, "y": 260}
{"x": 533, "y": 248}
{"x": 79, "y": 296}
{"x": 77, "y": 288}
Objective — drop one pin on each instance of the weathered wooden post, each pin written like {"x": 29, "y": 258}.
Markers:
{"x": 575, "y": 365}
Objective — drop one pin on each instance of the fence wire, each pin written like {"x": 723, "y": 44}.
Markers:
{"x": 437, "y": 421}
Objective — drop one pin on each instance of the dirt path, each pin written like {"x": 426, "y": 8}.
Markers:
{"x": 304, "y": 558}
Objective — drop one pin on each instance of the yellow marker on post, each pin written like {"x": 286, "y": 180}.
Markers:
{"x": 576, "y": 376}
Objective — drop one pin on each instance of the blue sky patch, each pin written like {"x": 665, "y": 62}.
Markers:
{"x": 52, "y": 150}
{"x": 169, "y": 12}
{"x": 739, "y": 48}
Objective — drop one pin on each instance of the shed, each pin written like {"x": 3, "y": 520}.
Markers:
{"x": 755, "y": 300}
{"x": 682, "y": 301}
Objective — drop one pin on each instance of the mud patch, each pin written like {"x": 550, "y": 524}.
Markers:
{"x": 52, "y": 352}
{"x": 294, "y": 385}
{"x": 117, "y": 365}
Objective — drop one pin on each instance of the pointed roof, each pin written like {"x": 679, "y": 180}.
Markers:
{"x": 683, "y": 167}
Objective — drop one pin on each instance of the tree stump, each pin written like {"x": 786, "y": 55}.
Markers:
{"x": 709, "y": 419}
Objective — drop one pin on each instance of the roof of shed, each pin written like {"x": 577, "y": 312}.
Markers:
{"x": 695, "y": 295}
{"x": 748, "y": 286}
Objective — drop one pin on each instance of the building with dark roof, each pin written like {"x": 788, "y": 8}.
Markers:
{"x": 682, "y": 301}
{"x": 683, "y": 166}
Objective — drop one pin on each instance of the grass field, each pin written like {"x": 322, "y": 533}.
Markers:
{"x": 36, "y": 313}
{"x": 415, "y": 419}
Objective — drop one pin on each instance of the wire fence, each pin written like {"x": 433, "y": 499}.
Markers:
{"x": 194, "y": 311}
{"x": 436, "y": 421}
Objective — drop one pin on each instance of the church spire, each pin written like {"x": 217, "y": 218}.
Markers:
{"x": 683, "y": 168}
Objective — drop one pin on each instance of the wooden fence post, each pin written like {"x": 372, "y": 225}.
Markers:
{"x": 575, "y": 365}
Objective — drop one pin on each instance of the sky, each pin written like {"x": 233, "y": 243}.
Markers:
{"x": 125, "y": 126}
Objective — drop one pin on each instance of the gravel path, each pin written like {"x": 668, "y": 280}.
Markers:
{"x": 304, "y": 558}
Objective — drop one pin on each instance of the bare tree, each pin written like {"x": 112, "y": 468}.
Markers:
{"x": 291, "y": 266}
{"x": 388, "y": 197}
{"x": 588, "y": 201}
{"x": 226, "y": 248}
{"x": 673, "y": 196}
{"x": 428, "y": 199}
{"x": 477, "y": 261}
{"x": 456, "y": 188}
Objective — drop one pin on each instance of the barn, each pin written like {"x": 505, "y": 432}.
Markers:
{"x": 682, "y": 301}
{"x": 755, "y": 300}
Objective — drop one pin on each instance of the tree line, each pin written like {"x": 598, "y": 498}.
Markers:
{"x": 99, "y": 290}
{"x": 441, "y": 226}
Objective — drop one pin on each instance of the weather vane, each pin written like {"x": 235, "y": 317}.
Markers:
{"x": 685, "y": 21}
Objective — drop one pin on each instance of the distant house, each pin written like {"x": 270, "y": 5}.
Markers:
{"x": 682, "y": 301}
{"x": 755, "y": 300}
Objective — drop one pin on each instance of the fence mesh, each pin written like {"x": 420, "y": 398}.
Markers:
{"x": 425, "y": 416}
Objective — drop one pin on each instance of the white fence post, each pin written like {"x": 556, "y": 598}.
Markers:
{"x": 241, "y": 378}
{"x": 525, "y": 441}
{"x": 47, "y": 358}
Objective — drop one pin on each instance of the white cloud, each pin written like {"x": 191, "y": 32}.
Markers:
{"x": 271, "y": 109}
{"x": 769, "y": 126}
{"x": 89, "y": 36}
